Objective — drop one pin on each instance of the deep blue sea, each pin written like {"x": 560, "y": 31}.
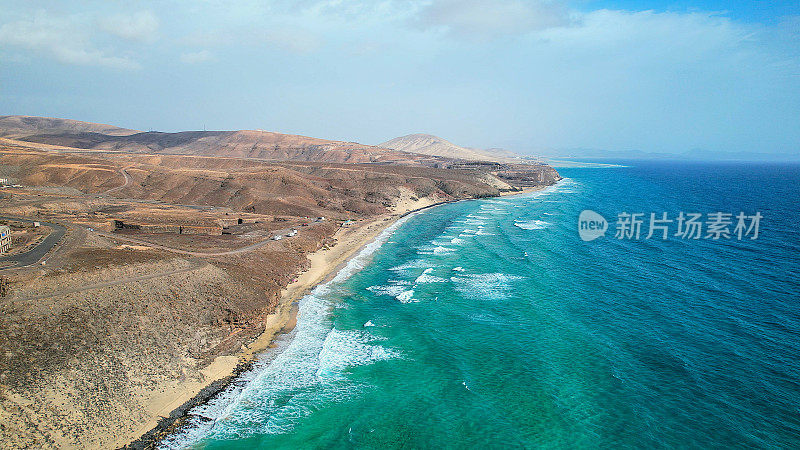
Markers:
{"x": 490, "y": 323}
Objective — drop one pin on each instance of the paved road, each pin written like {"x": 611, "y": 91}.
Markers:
{"x": 34, "y": 255}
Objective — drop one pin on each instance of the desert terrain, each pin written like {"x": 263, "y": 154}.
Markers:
{"x": 170, "y": 272}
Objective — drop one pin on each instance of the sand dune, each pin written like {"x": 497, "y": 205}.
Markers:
{"x": 428, "y": 144}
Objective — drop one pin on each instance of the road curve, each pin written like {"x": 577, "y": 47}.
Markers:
{"x": 127, "y": 178}
{"x": 35, "y": 254}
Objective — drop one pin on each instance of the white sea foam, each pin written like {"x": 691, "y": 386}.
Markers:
{"x": 344, "y": 349}
{"x": 482, "y": 232}
{"x": 407, "y": 296}
{"x": 390, "y": 290}
{"x": 458, "y": 269}
{"x": 531, "y": 224}
{"x": 434, "y": 250}
{"x": 426, "y": 277}
{"x": 492, "y": 286}
{"x": 456, "y": 240}
{"x": 413, "y": 264}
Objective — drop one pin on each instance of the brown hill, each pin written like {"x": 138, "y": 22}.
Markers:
{"x": 23, "y": 126}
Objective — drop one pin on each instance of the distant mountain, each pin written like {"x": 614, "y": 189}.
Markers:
{"x": 22, "y": 126}
{"x": 428, "y": 144}
{"x": 241, "y": 144}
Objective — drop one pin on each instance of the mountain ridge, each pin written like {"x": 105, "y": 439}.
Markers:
{"x": 258, "y": 144}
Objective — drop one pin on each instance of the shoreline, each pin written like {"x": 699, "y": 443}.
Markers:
{"x": 324, "y": 264}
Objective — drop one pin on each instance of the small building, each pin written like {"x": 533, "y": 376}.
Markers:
{"x": 5, "y": 239}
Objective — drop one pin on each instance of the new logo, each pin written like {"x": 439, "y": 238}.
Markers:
{"x": 591, "y": 225}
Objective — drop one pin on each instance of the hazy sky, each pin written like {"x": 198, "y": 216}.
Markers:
{"x": 656, "y": 76}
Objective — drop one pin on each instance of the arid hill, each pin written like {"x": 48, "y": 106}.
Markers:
{"x": 23, "y": 126}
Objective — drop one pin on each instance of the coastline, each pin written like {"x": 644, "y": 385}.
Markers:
{"x": 324, "y": 264}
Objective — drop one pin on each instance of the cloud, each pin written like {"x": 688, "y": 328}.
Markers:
{"x": 197, "y": 57}
{"x": 662, "y": 81}
{"x": 64, "y": 38}
{"x": 139, "y": 26}
{"x": 486, "y": 19}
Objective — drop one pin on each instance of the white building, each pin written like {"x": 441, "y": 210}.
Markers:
{"x": 5, "y": 239}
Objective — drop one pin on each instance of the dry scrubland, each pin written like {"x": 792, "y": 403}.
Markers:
{"x": 121, "y": 327}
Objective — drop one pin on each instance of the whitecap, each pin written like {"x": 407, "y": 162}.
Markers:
{"x": 531, "y": 224}
{"x": 426, "y": 277}
{"x": 406, "y": 296}
{"x": 494, "y": 286}
{"x": 390, "y": 290}
{"x": 413, "y": 264}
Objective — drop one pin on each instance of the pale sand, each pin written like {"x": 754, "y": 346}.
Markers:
{"x": 525, "y": 190}
{"x": 324, "y": 264}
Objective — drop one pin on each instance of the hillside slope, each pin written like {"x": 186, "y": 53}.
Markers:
{"x": 23, "y": 126}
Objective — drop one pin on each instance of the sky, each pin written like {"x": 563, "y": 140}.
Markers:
{"x": 534, "y": 76}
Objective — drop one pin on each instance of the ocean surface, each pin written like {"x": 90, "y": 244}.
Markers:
{"x": 490, "y": 323}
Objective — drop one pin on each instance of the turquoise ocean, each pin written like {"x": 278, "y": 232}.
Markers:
{"x": 490, "y": 323}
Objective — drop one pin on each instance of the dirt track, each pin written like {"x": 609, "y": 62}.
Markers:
{"x": 198, "y": 264}
{"x": 246, "y": 249}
